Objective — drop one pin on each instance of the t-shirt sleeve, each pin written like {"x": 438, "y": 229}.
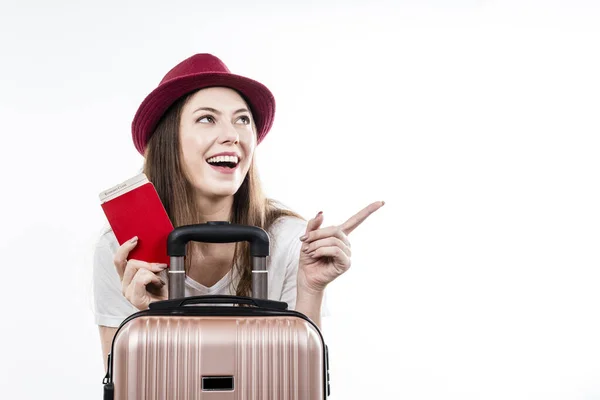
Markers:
{"x": 292, "y": 232}
{"x": 110, "y": 305}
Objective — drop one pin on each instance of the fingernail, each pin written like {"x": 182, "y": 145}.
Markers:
{"x": 383, "y": 203}
{"x": 134, "y": 239}
{"x": 305, "y": 249}
{"x": 319, "y": 214}
{"x": 163, "y": 266}
{"x": 303, "y": 238}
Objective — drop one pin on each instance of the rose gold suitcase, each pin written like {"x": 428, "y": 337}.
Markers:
{"x": 217, "y": 347}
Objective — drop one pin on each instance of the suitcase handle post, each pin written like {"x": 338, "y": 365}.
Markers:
{"x": 218, "y": 232}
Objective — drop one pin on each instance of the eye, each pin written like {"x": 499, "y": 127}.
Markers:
{"x": 245, "y": 119}
{"x": 206, "y": 119}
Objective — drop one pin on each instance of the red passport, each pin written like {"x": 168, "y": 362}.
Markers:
{"x": 133, "y": 208}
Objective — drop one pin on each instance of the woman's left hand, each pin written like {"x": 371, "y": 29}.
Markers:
{"x": 325, "y": 253}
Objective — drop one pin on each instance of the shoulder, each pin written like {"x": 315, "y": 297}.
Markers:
{"x": 285, "y": 234}
{"x": 286, "y": 228}
{"x": 105, "y": 273}
{"x": 107, "y": 241}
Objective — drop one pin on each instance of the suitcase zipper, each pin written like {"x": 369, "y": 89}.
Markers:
{"x": 109, "y": 388}
{"x": 107, "y": 377}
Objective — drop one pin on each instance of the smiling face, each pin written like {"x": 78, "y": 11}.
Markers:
{"x": 218, "y": 138}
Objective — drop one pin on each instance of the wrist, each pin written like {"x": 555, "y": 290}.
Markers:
{"x": 307, "y": 290}
{"x": 309, "y": 302}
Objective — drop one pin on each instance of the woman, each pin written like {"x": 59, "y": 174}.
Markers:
{"x": 197, "y": 132}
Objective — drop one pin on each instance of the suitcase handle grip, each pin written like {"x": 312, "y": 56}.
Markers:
{"x": 218, "y": 299}
{"x": 218, "y": 232}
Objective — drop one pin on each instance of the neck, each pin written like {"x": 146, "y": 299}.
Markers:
{"x": 214, "y": 209}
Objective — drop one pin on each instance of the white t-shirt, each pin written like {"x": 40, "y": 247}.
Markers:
{"x": 111, "y": 307}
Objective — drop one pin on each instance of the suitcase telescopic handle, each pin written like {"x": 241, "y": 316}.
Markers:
{"x": 218, "y": 299}
{"x": 218, "y": 232}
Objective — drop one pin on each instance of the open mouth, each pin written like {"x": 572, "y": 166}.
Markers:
{"x": 224, "y": 162}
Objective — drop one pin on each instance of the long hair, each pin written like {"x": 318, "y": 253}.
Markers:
{"x": 250, "y": 205}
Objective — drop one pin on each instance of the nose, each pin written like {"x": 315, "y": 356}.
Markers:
{"x": 229, "y": 135}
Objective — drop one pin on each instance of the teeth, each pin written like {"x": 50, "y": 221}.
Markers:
{"x": 232, "y": 159}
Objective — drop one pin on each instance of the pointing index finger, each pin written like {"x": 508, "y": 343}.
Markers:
{"x": 359, "y": 217}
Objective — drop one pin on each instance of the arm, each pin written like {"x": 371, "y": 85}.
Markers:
{"x": 294, "y": 291}
{"x": 110, "y": 305}
{"x": 309, "y": 303}
{"x": 324, "y": 255}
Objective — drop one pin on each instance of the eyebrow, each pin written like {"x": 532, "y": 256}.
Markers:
{"x": 217, "y": 111}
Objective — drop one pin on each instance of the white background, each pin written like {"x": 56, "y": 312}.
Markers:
{"x": 476, "y": 121}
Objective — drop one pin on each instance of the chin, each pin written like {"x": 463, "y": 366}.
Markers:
{"x": 218, "y": 190}
{"x": 224, "y": 192}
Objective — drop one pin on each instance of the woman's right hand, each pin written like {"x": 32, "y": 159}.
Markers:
{"x": 140, "y": 282}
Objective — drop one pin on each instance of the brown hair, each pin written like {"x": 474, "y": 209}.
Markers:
{"x": 250, "y": 205}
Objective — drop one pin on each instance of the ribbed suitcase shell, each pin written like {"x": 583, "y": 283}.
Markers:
{"x": 279, "y": 357}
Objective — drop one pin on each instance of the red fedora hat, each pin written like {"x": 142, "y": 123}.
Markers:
{"x": 197, "y": 72}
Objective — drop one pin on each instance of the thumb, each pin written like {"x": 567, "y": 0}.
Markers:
{"x": 313, "y": 224}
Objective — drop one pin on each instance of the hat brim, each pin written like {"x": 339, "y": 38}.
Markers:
{"x": 261, "y": 102}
